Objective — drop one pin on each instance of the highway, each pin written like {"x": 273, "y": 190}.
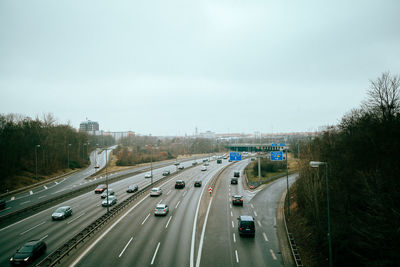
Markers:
{"x": 86, "y": 208}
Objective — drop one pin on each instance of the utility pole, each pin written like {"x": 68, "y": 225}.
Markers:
{"x": 36, "y": 147}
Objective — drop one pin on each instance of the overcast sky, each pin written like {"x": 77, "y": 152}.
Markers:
{"x": 166, "y": 66}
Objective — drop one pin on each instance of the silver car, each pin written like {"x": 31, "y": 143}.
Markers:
{"x": 148, "y": 175}
{"x": 161, "y": 209}
{"x": 62, "y": 213}
{"x": 111, "y": 201}
{"x": 156, "y": 191}
{"x": 110, "y": 192}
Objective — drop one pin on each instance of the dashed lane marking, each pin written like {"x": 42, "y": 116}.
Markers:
{"x": 265, "y": 237}
{"x": 146, "y": 218}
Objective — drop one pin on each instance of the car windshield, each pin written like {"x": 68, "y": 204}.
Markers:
{"x": 247, "y": 224}
{"x": 26, "y": 249}
{"x": 60, "y": 210}
{"x": 160, "y": 206}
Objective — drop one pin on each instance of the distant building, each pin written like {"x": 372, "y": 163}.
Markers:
{"x": 88, "y": 126}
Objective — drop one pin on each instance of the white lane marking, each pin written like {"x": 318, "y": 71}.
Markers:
{"x": 30, "y": 192}
{"x": 42, "y": 196}
{"x": 146, "y": 218}
{"x": 59, "y": 191}
{"x": 274, "y": 221}
{"x": 230, "y": 205}
{"x": 168, "y": 222}
{"x": 233, "y": 226}
{"x": 32, "y": 228}
{"x": 78, "y": 259}
{"x": 202, "y": 235}
{"x": 259, "y": 224}
{"x": 169, "y": 192}
{"x": 76, "y": 218}
{"x": 231, "y": 214}
{"x": 184, "y": 193}
{"x": 12, "y": 198}
{"x": 229, "y": 189}
{"x": 56, "y": 183}
{"x": 237, "y": 256}
{"x": 160, "y": 201}
{"x": 252, "y": 206}
{"x": 265, "y": 237}
{"x": 273, "y": 254}
{"x": 255, "y": 213}
{"x": 177, "y": 204}
{"x": 155, "y": 253}
{"x": 22, "y": 203}
{"x": 234, "y": 238}
{"x": 45, "y": 187}
{"x": 43, "y": 237}
{"x": 122, "y": 252}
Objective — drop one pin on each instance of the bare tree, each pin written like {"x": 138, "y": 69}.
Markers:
{"x": 384, "y": 96}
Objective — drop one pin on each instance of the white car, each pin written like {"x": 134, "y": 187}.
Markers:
{"x": 110, "y": 192}
{"x": 161, "y": 209}
{"x": 111, "y": 201}
{"x": 203, "y": 168}
{"x": 148, "y": 175}
{"x": 156, "y": 191}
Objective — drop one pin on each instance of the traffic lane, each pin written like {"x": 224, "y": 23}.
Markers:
{"x": 140, "y": 224}
{"x": 148, "y": 237}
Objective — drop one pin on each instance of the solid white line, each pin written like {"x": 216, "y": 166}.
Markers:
{"x": 122, "y": 252}
{"x": 265, "y": 237}
{"x": 105, "y": 233}
{"x": 255, "y": 213}
{"x": 234, "y": 238}
{"x": 58, "y": 191}
{"x": 237, "y": 256}
{"x": 231, "y": 214}
{"x": 273, "y": 254}
{"x": 168, "y": 221}
{"x": 233, "y": 226}
{"x": 155, "y": 253}
{"x": 75, "y": 218}
{"x": 12, "y": 198}
{"x": 177, "y": 204}
{"x": 42, "y": 196}
{"x": 146, "y": 218}
{"x": 32, "y": 228}
{"x": 252, "y": 206}
{"x": 30, "y": 192}
{"x": 259, "y": 224}
{"x": 56, "y": 182}
{"x": 45, "y": 187}
{"x": 202, "y": 235}
{"x": 43, "y": 237}
{"x": 25, "y": 202}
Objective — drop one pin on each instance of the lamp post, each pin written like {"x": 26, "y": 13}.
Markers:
{"x": 287, "y": 183}
{"x": 68, "y": 155}
{"x": 36, "y": 147}
{"x": 316, "y": 164}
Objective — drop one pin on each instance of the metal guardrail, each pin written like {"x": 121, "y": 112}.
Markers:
{"x": 293, "y": 246}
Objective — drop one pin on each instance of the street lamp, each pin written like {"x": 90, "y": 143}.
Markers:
{"x": 107, "y": 180}
{"x": 151, "y": 162}
{"x": 68, "y": 155}
{"x": 316, "y": 164}
{"x": 36, "y": 147}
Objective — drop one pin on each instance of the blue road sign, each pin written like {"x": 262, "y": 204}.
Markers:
{"x": 235, "y": 156}
{"x": 273, "y": 144}
{"x": 276, "y": 155}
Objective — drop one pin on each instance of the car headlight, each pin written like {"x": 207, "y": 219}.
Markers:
{"x": 12, "y": 259}
{"x": 26, "y": 259}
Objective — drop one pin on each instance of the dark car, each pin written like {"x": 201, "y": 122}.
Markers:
{"x": 166, "y": 173}
{"x": 61, "y": 213}
{"x": 28, "y": 252}
{"x": 236, "y": 174}
{"x": 197, "y": 183}
{"x": 179, "y": 184}
{"x": 2, "y": 204}
{"x": 100, "y": 188}
{"x": 237, "y": 200}
{"x": 219, "y": 161}
{"x": 194, "y": 163}
{"x": 181, "y": 167}
{"x": 234, "y": 180}
{"x": 246, "y": 226}
{"x": 132, "y": 188}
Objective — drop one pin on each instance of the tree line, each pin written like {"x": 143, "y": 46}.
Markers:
{"x": 25, "y": 142}
{"x": 362, "y": 154}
